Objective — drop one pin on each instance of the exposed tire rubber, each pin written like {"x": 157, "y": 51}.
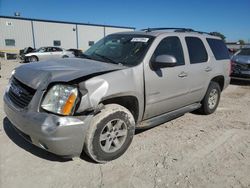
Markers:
{"x": 65, "y": 56}
{"x": 205, "y": 102}
{"x": 92, "y": 145}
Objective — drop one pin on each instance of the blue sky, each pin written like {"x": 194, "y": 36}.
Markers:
{"x": 232, "y": 18}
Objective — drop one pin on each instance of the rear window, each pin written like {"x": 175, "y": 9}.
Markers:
{"x": 218, "y": 48}
{"x": 196, "y": 49}
{"x": 244, "y": 51}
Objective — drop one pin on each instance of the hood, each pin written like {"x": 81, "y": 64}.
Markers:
{"x": 244, "y": 59}
{"x": 62, "y": 70}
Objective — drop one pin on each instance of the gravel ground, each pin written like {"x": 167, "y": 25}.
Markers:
{"x": 191, "y": 151}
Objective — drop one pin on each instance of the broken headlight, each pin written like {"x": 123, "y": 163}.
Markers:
{"x": 61, "y": 99}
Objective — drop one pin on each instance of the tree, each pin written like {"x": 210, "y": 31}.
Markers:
{"x": 242, "y": 42}
{"x": 218, "y": 34}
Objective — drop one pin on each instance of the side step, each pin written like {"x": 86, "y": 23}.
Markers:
{"x": 152, "y": 122}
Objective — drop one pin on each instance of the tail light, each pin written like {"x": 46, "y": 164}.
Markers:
{"x": 232, "y": 63}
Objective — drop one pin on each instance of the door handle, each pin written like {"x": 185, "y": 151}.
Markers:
{"x": 183, "y": 75}
{"x": 208, "y": 69}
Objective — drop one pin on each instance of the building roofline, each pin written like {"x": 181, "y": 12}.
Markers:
{"x": 65, "y": 22}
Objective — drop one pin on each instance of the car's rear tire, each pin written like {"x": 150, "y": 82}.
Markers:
{"x": 110, "y": 133}
{"x": 211, "y": 99}
{"x": 33, "y": 59}
{"x": 65, "y": 56}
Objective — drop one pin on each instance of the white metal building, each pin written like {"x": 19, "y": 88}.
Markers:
{"x": 17, "y": 33}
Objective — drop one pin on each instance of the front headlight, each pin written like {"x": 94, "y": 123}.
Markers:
{"x": 60, "y": 99}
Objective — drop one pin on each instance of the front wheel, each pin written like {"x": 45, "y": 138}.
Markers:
{"x": 211, "y": 99}
{"x": 33, "y": 59}
{"x": 110, "y": 133}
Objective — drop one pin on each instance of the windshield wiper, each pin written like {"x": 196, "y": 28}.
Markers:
{"x": 106, "y": 58}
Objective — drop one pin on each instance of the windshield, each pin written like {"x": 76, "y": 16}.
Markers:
{"x": 122, "y": 49}
{"x": 245, "y": 51}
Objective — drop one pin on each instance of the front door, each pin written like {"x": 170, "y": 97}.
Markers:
{"x": 166, "y": 89}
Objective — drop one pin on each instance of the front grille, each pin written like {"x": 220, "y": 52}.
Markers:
{"x": 20, "y": 94}
{"x": 240, "y": 66}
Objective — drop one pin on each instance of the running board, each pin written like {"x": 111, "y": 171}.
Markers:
{"x": 152, "y": 122}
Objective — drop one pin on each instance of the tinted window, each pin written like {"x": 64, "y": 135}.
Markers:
{"x": 57, "y": 43}
{"x": 10, "y": 42}
{"x": 244, "y": 51}
{"x": 196, "y": 49}
{"x": 170, "y": 46}
{"x": 218, "y": 48}
{"x": 57, "y": 49}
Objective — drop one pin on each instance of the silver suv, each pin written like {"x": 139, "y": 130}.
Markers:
{"x": 126, "y": 81}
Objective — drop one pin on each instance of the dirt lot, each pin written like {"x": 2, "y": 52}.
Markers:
{"x": 191, "y": 151}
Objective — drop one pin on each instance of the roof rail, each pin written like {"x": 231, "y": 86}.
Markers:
{"x": 176, "y": 30}
{"x": 167, "y": 28}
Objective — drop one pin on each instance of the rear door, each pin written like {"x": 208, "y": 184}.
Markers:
{"x": 199, "y": 68}
{"x": 166, "y": 88}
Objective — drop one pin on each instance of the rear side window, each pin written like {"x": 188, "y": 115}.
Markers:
{"x": 218, "y": 48}
{"x": 196, "y": 49}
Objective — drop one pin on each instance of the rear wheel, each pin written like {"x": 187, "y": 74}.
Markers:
{"x": 110, "y": 133}
{"x": 211, "y": 99}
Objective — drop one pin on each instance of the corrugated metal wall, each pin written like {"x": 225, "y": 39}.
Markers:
{"x": 38, "y": 33}
{"x": 89, "y": 33}
{"x": 45, "y": 33}
{"x": 19, "y": 30}
{"x": 110, "y": 30}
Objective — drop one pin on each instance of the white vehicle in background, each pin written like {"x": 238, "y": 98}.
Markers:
{"x": 46, "y": 53}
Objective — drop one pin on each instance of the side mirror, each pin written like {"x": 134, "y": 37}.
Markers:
{"x": 162, "y": 61}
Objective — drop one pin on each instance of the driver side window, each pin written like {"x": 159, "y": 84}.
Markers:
{"x": 170, "y": 46}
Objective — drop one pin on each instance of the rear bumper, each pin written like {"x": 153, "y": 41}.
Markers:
{"x": 63, "y": 136}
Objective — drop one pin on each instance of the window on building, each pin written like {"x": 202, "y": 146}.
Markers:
{"x": 10, "y": 42}
{"x": 57, "y": 43}
{"x": 91, "y": 43}
{"x": 196, "y": 49}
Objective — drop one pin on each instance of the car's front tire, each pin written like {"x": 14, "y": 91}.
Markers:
{"x": 33, "y": 59}
{"x": 110, "y": 133}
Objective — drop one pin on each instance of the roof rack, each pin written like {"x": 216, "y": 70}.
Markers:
{"x": 176, "y": 30}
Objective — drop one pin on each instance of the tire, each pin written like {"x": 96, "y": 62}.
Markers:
{"x": 110, "y": 133}
{"x": 211, "y": 99}
{"x": 65, "y": 56}
{"x": 33, "y": 59}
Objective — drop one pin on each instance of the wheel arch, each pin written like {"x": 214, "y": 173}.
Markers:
{"x": 220, "y": 80}
{"x": 129, "y": 102}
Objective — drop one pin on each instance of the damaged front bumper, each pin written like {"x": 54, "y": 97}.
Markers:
{"x": 61, "y": 135}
